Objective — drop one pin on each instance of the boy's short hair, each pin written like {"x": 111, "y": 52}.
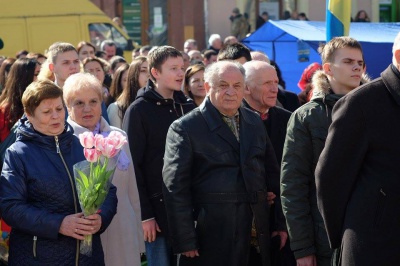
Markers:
{"x": 209, "y": 53}
{"x": 234, "y": 51}
{"x": 158, "y": 56}
{"x": 59, "y": 48}
{"x": 145, "y": 48}
{"x": 328, "y": 50}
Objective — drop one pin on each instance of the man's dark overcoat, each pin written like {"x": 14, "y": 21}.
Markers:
{"x": 358, "y": 174}
{"x": 207, "y": 170}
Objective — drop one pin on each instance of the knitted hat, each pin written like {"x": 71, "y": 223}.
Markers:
{"x": 307, "y": 75}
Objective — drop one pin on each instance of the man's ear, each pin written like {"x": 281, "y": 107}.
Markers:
{"x": 247, "y": 90}
{"x": 51, "y": 67}
{"x": 397, "y": 57}
{"x": 154, "y": 72}
{"x": 327, "y": 69}
{"x": 207, "y": 86}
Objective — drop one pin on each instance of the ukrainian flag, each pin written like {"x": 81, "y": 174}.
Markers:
{"x": 337, "y": 18}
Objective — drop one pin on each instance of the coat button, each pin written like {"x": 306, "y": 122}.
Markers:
{"x": 158, "y": 103}
{"x": 161, "y": 200}
{"x": 170, "y": 111}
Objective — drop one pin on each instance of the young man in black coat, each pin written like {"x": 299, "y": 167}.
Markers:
{"x": 146, "y": 123}
{"x": 358, "y": 173}
{"x": 260, "y": 96}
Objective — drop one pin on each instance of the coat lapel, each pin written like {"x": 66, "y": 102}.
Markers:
{"x": 217, "y": 125}
{"x": 246, "y": 134}
{"x": 274, "y": 124}
{"x": 391, "y": 80}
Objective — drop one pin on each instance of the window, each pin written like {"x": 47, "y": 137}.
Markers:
{"x": 105, "y": 31}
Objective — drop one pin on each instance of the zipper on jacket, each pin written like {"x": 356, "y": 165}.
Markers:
{"x": 73, "y": 193}
{"x": 176, "y": 111}
{"x": 383, "y": 193}
{"x": 34, "y": 246}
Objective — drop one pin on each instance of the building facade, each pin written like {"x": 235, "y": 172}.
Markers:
{"x": 159, "y": 22}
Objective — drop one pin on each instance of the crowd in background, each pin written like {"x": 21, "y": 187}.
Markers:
{"x": 84, "y": 89}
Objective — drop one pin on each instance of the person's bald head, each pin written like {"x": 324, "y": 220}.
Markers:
{"x": 195, "y": 55}
{"x": 259, "y": 56}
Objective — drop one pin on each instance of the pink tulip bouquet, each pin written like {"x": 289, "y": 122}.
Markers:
{"x": 93, "y": 176}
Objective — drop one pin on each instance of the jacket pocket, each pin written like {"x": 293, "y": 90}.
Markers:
{"x": 379, "y": 208}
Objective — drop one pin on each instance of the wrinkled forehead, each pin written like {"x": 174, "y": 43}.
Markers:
{"x": 230, "y": 75}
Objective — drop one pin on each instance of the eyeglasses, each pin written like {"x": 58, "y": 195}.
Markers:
{"x": 80, "y": 105}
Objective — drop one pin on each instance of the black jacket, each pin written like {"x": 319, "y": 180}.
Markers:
{"x": 205, "y": 168}
{"x": 358, "y": 174}
{"x": 275, "y": 126}
{"x": 146, "y": 123}
{"x": 288, "y": 99}
{"x": 36, "y": 195}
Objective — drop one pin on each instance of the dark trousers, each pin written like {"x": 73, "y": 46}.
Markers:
{"x": 283, "y": 257}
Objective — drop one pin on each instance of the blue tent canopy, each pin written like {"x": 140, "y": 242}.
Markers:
{"x": 285, "y": 42}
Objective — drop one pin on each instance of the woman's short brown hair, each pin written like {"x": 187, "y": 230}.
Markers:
{"x": 38, "y": 91}
{"x": 190, "y": 71}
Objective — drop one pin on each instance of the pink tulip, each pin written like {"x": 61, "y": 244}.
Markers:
{"x": 91, "y": 154}
{"x": 99, "y": 142}
{"x": 109, "y": 150}
{"x": 118, "y": 139}
{"x": 86, "y": 139}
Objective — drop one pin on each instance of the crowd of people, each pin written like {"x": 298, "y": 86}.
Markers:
{"x": 223, "y": 165}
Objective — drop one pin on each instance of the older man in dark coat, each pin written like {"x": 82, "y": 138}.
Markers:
{"x": 215, "y": 175}
{"x": 358, "y": 173}
{"x": 260, "y": 96}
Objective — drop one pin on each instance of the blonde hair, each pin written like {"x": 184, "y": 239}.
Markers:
{"x": 79, "y": 81}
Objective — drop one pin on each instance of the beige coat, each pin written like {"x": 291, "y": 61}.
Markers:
{"x": 113, "y": 115}
{"x": 123, "y": 240}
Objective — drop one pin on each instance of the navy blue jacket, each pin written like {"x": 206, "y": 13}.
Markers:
{"x": 36, "y": 194}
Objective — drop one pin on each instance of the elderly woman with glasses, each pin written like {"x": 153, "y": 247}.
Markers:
{"x": 38, "y": 198}
{"x": 123, "y": 240}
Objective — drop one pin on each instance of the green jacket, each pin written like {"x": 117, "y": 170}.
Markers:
{"x": 305, "y": 140}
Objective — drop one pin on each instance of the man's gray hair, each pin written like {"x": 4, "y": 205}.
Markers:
{"x": 251, "y": 67}
{"x": 213, "y": 70}
{"x": 259, "y": 56}
{"x": 396, "y": 46}
{"x": 213, "y": 37}
{"x": 193, "y": 41}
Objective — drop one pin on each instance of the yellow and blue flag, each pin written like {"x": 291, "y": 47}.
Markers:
{"x": 337, "y": 18}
